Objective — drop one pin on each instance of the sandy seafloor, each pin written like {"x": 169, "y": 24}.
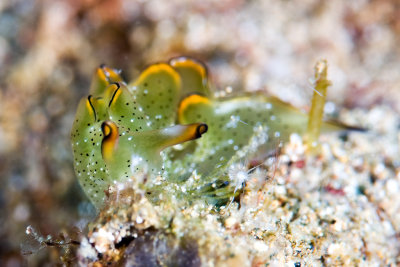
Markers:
{"x": 340, "y": 207}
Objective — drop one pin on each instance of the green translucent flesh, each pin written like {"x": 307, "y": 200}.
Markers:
{"x": 139, "y": 152}
{"x": 134, "y": 121}
{"x": 86, "y": 137}
{"x": 232, "y": 123}
{"x": 98, "y": 86}
{"x": 157, "y": 95}
{"x": 131, "y": 159}
{"x": 100, "y": 107}
{"x": 127, "y": 113}
{"x": 101, "y": 82}
{"x": 192, "y": 81}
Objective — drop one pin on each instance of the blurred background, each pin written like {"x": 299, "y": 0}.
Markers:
{"x": 49, "y": 50}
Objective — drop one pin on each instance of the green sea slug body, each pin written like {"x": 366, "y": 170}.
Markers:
{"x": 121, "y": 129}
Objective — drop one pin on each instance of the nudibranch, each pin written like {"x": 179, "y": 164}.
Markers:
{"x": 120, "y": 129}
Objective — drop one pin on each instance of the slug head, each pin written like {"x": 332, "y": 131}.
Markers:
{"x": 86, "y": 139}
{"x": 121, "y": 130}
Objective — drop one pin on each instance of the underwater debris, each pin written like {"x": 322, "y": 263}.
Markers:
{"x": 321, "y": 84}
{"x": 65, "y": 242}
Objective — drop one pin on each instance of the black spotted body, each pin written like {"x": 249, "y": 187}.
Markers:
{"x": 86, "y": 139}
